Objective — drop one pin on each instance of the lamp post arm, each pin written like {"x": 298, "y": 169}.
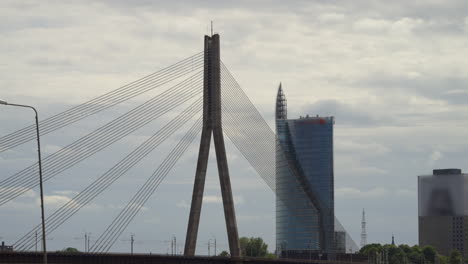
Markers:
{"x": 44, "y": 248}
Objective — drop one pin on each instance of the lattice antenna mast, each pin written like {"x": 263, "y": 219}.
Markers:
{"x": 363, "y": 231}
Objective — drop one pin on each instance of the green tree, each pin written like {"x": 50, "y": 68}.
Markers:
{"x": 365, "y": 250}
{"x": 455, "y": 257}
{"x": 69, "y": 250}
{"x": 442, "y": 259}
{"x": 396, "y": 255}
{"x": 253, "y": 247}
{"x": 392, "y": 250}
{"x": 415, "y": 256}
{"x": 405, "y": 249}
{"x": 224, "y": 253}
{"x": 373, "y": 251}
{"x": 243, "y": 241}
{"x": 402, "y": 254}
{"x": 429, "y": 253}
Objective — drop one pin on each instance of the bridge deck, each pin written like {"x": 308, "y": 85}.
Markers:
{"x": 86, "y": 258}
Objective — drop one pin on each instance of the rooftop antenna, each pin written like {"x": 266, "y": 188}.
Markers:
{"x": 211, "y": 27}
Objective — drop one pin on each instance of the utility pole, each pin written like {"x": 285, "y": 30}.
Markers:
{"x": 131, "y": 243}
{"x": 36, "y": 240}
{"x": 172, "y": 246}
{"x": 363, "y": 229}
{"x": 86, "y": 242}
{"x": 175, "y": 244}
{"x": 209, "y": 243}
{"x": 87, "y": 238}
{"x": 212, "y": 126}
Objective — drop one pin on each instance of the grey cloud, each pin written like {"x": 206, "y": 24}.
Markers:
{"x": 391, "y": 116}
{"x": 451, "y": 89}
{"x": 346, "y": 114}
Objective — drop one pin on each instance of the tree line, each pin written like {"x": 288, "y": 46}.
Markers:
{"x": 252, "y": 247}
{"x": 404, "y": 254}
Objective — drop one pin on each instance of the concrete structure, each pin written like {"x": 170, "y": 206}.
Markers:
{"x": 304, "y": 183}
{"x": 212, "y": 124}
{"x": 443, "y": 211}
{"x": 110, "y": 258}
{"x": 5, "y": 248}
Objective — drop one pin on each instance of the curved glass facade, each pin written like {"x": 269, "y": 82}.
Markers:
{"x": 307, "y": 145}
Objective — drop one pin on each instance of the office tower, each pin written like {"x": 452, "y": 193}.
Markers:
{"x": 304, "y": 183}
{"x": 443, "y": 210}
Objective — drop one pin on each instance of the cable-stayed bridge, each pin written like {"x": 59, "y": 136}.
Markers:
{"x": 213, "y": 103}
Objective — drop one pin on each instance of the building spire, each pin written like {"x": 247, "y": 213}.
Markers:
{"x": 281, "y": 104}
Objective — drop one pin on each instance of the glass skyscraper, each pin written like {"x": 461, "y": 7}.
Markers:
{"x": 304, "y": 182}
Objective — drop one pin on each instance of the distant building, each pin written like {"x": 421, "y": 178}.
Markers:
{"x": 443, "y": 211}
{"x": 340, "y": 242}
{"x": 4, "y": 247}
{"x": 304, "y": 159}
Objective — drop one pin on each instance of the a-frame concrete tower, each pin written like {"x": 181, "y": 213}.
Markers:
{"x": 212, "y": 124}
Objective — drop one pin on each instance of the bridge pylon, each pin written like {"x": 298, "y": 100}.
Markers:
{"x": 212, "y": 125}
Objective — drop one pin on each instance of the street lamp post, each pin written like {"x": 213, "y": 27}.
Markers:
{"x": 214, "y": 238}
{"x": 44, "y": 250}
{"x": 209, "y": 244}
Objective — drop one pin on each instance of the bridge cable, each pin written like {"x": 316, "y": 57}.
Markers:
{"x": 137, "y": 115}
{"x": 118, "y": 225}
{"x": 266, "y": 130}
{"x": 266, "y": 138}
{"x": 249, "y": 147}
{"x": 20, "y": 182}
{"x": 251, "y": 140}
{"x": 56, "y": 219}
{"x": 282, "y": 163}
{"x": 101, "y": 138}
{"x": 95, "y": 102}
{"x": 104, "y": 101}
{"x": 272, "y": 158}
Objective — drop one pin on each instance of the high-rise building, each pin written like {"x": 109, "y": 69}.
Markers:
{"x": 443, "y": 210}
{"x": 304, "y": 183}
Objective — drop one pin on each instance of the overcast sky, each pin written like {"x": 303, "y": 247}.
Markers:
{"x": 393, "y": 73}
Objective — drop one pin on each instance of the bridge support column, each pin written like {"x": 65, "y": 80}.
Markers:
{"x": 212, "y": 124}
